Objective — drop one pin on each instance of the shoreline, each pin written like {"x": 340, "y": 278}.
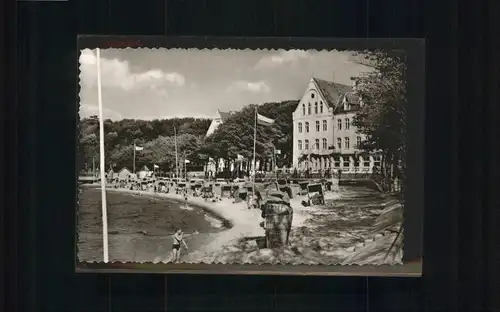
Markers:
{"x": 226, "y": 223}
{"x": 179, "y": 199}
{"x": 241, "y": 221}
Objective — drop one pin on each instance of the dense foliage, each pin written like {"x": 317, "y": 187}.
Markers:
{"x": 156, "y": 136}
{"x": 383, "y": 114}
{"x": 233, "y": 137}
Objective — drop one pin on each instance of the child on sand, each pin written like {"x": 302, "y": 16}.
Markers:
{"x": 178, "y": 238}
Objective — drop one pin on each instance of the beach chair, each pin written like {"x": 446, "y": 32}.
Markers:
{"x": 315, "y": 194}
{"x": 278, "y": 217}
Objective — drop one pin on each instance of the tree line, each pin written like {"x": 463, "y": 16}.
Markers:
{"x": 234, "y": 137}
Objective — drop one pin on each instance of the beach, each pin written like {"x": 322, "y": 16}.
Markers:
{"x": 356, "y": 225}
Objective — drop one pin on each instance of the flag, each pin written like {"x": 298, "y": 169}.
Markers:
{"x": 277, "y": 152}
{"x": 262, "y": 120}
{"x": 186, "y": 161}
{"x": 156, "y": 166}
{"x": 139, "y": 148}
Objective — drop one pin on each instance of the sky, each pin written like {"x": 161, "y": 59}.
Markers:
{"x": 160, "y": 83}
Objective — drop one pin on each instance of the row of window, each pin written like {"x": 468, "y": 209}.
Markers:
{"x": 316, "y": 110}
{"x": 346, "y": 163}
{"x": 324, "y": 141}
{"x": 325, "y": 125}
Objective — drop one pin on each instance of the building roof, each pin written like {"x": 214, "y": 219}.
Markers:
{"x": 335, "y": 93}
{"x": 225, "y": 115}
{"x": 332, "y": 92}
{"x": 124, "y": 168}
{"x": 352, "y": 98}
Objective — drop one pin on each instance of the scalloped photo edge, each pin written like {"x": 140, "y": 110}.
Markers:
{"x": 250, "y": 155}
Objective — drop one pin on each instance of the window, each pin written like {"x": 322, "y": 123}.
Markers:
{"x": 321, "y": 107}
{"x": 358, "y": 142}
{"x": 325, "y": 144}
{"x": 300, "y": 127}
{"x": 307, "y": 127}
{"x": 306, "y": 144}
{"x": 312, "y": 95}
{"x": 336, "y": 162}
{"x": 366, "y": 163}
{"x": 300, "y": 144}
{"x": 346, "y": 142}
{"x": 309, "y": 109}
{"x": 347, "y": 124}
{"x": 377, "y": 161}
{"x": 303, "y": 109}
{"x": 317, "y": 125}
{"x": 339, "y": 124}
{"x": 316, "y": 108}
{"x": 316, "y": 144}
{"x": 339, "y": 143}
{"x": 346, "y": 163}
{"x": 325, "y": 125}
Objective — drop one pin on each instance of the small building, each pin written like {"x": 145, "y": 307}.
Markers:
{"x": 124, "y": 174}
{"x": 144, "y": 172}
{"x": 219, "y": 119}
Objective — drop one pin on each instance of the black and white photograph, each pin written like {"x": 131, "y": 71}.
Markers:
{"x": 241, "y": 156}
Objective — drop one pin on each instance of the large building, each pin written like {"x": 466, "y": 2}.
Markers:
{"x": 323, "y": 134}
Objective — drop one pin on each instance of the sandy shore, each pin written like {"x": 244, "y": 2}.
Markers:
{"x": 352, "y": 228}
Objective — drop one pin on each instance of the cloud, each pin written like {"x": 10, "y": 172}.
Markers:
{"x": 199, "y": 116}
{"x": 117, "y": 73}
{"x": 247, "y": 86}
{"x": 289, "y": 57}
{"x": 87, "y": 110}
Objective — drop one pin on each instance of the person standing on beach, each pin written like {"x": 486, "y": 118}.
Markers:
{"x": 178, "y": 239}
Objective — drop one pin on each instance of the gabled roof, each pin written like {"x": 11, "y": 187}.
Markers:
{"x": 124, "y": 168}
{"x": 352, "y": 98}
{"x": 225, "y": 115}
{"x": 145, "y": 168}
{"x": 332, "y": 91}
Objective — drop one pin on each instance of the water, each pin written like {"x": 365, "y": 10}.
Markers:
{"x": 139, "y": 226}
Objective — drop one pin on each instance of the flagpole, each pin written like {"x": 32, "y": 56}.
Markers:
{"x": 275, "y": 165}
{"x": 134, "y": 160}
{"x": 254, "y": 145}
{"x": 102, "y": 165}
{"x": 176, "y": 157}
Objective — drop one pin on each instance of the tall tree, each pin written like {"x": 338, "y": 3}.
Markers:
{"x": 382, "y": 116}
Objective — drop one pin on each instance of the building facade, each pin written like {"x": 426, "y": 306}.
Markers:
{"x": 324, "y": 136}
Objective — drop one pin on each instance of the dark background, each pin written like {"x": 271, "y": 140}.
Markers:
{"x": 461, "y": 252}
